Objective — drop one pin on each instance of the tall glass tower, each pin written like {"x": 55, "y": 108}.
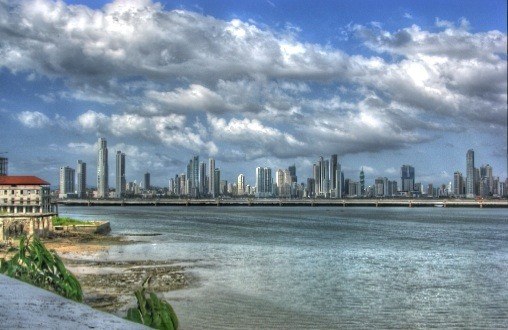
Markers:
{"x": 81, "y": 179}
{"x": 102, "y": 169}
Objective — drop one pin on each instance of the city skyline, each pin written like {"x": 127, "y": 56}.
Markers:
{"x": 267, "y": 84}
{"x": 327, "y": 181}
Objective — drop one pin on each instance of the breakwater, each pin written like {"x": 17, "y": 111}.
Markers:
{"x": 500, "y": 203}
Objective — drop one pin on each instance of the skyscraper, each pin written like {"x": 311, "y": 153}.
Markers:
{"x": 241, "y": 185}
{"x": 216, "y": 183}
{"x": 81, "y": 179}
{"x": 333, "y": 174}
{"x": 470, "y": 174}
{"x": 102, "y": 169}
{"x": 66, "y": 181}
{"x": 458, "y": 184}
{"x": 202, "y": 178}
{"x": 3, "y": 165}
{"x": 407, "y": 178}
{"x": 292, "y": 171}
{"x": 146, "y": 181}
{"x": 211, "y": 179}
{"x": 264, "y": 182}
{"x": 362, "y": 182}
{"x": 120, "y": 174}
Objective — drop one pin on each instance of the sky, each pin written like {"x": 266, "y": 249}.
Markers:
{"x": 254, "y": 83}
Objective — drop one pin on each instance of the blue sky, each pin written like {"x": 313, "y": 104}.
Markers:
{"x": 254, "y": 83}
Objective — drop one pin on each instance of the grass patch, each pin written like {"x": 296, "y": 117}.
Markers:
{"x": 65, "y": 221}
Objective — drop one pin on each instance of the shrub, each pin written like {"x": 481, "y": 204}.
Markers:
{"x": 65, "y": 221}
{"x": 152, "y": 311}
{"x": 36, "y": 265}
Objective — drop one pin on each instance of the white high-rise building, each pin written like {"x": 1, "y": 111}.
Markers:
{"x": 241, "y": 185}
{"x": 264, "y": 182}
{"x": 102, "y": 169}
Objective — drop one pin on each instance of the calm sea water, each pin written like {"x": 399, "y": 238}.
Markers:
{"x": 322, "y": 268}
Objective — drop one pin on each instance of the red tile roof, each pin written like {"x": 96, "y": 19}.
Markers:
{"x": 22, "y": 179}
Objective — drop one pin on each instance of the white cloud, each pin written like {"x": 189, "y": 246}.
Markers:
{"x": 155, "y": 69}
{"x": 33, "y": 119}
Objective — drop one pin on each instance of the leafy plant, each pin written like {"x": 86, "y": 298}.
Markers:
{"x": 36, "y": 265}
{"x": 65, "y": 221}
{"x": 152, "y": 311}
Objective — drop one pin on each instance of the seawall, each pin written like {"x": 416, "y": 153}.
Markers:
{"x": 28, "y": 307}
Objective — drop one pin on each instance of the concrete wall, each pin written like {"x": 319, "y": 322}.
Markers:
{"x": 27, "y": 307}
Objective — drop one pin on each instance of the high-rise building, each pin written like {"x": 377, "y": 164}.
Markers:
{"x": 66, "y": 182}
{"x": 316, "y": 175}
{"x": 240, "y": 183}
{"x": 146, "y": 181}
{"x": 339, "y": 177}
{"x": 292, "y": 171}
{"x": 81, "y": 179}
{"x": 216, "y": 182}
{"x": 458, "y": 184}
{"x": 211, "y": 179}
{"x": 264, "y": 182}
{"x": 311, "y": 184}
{"x": 379, "y": 188}
{"x": 202, "y": 178}
{"x": 3, "y": 166}
{"x": 407, "y": 178}
{"x": 362, "y": 183}
{"x": 102, "y": 169}
{"x": 333, "y": 173}
{"x": 120, "y": 174}
{"x": 470, "y": 174}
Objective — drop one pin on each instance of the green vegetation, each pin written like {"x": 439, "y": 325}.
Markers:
{"x": 152, "y": 311}
{"x": 36, "y": 265}
{"x": 65, "y": 221}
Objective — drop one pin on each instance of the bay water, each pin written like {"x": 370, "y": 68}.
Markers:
{"x": 323, "y": 267}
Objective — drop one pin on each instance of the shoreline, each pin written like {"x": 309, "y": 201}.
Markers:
{"x": 109, "y": 285}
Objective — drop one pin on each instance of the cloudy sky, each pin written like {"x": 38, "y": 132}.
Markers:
{"x": 254, "y": 83}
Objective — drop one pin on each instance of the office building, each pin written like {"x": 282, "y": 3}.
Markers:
{"x": 146, "y": 181}
{"x": 216, "y": 183}
{"x": 333, "y": 174}
{"x": 66, "y": 182}
{"x": 120, "y": 175}
{"x": 211, "y": 179}
{"x": 202, "y": 179}
{"x": 292, "y": 171}
{"x": 407, "y": 178}
{"x": 470, "y": 174}
{"x": 362, "y": 182}
{"x": 102, "y": 169}
{"x": 81, "y": 179}
{"x": 458, "y": 184}
{"x": 264, "y": 182}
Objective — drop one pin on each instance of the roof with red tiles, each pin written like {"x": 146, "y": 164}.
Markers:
{"x": 22, "y": 180}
